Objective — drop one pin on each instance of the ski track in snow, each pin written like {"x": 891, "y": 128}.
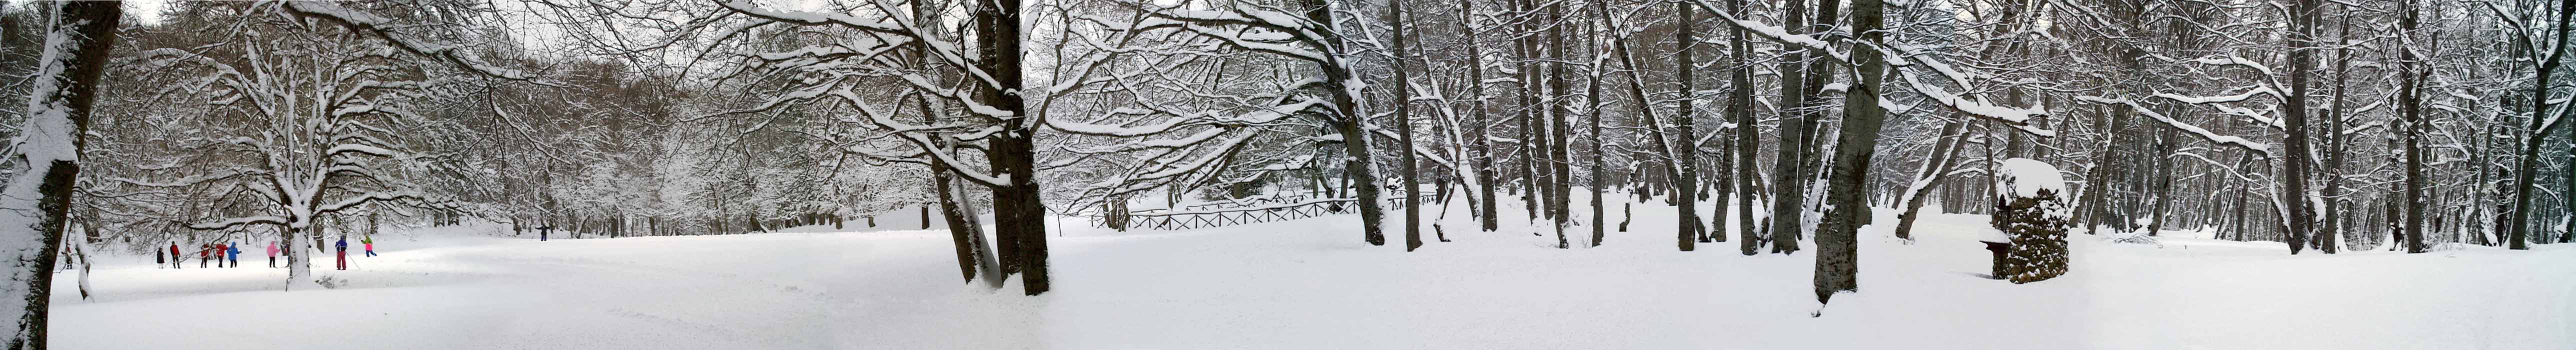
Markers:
{"x": 1308, "y": 284}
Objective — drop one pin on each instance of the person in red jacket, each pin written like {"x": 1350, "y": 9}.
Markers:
{"x": 202, "y": 249}
{"x": 219, "y": 254}
{"x": 174, "y": 256}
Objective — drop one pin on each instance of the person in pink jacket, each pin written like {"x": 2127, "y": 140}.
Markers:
{"x": 272, "y": 254}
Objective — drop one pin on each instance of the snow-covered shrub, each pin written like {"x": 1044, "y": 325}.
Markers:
{"x": 2031, "y": 210}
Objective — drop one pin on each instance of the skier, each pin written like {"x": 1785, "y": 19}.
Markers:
{"x": 202, "y": 249}
{"x": 232, "y": 253}
{"x": 272, "y": 254}
{"x": 174, "y": 256}
{"x": 344, "y": 252}
{"x": 370, "y": 242}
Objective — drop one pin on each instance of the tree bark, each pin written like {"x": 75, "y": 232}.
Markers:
{"x": 2530, "y": 159}
{"x": 1404, "y": 128}
{"x": 965, "y": 235}
{"x": 2164, "y": 181}
{"x": 2096, "y": 180}
{"x": 1346, "y": 120}
{"x": 38, "y": 196}
{"x": 974, "y": 256}
{"x": 1476, "y": 135}
{"x": 1019, "y": 218}
{"x": 1531, "y": 143}
{"x": 1739, "y": 106}
{"x": 1837, "y": 242}
{"x": 2411, "y": 113}
{"x": 1559, "y": 164}
{"x": 1788, "y": 185}
{"x": 2294, "y": 174}
{"x": 2331, "y": 238}
{"x": 1592, "y": 93}
{"x": 1686, "y": 154}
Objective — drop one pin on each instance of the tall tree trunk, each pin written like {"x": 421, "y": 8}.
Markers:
{"x": 2411, "y": 113}
{"x": 38, "y": 197}
{"x": 1686, "y": 153}
{"x": 2294, "y": 175}
{"x": 1524, "y": 53}
{"x": 1346, "y": 120}
{"x": 1019, "y": 218}
{"x": 2331, "y": 237}
{"x": 1739, "y": 107}
{"x": 1788, "y": 185}
{"x": 1484, "y": 145}
{"x": 2539, "y": 132}
{"x": 1560, "y": 174}
{"x": 2096, "y": 180}
{"x": 1592, "y": 93}
{"x": 1837, "y": 242}
{"x": 965, "y": 230}
{"x": 1404, "y": 126}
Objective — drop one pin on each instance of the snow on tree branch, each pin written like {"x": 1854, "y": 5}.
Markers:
{"x": 2240, "y": 142}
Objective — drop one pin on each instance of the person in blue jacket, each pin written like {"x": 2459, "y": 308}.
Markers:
{"x": 343, "y": 246}
{"x": 232, "y": 253}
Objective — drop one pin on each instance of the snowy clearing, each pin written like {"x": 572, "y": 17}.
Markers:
{"x": 1308, "y": 284}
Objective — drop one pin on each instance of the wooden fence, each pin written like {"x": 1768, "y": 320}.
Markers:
{"x": 1211, "y": 215}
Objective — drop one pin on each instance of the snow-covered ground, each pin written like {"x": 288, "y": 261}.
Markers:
{"x": 1309, "y": 284}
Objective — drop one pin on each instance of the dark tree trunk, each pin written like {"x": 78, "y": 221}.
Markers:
{"x": 1739, "y": 106}
{"x": 1404, "y": 128}
{"x": 1837, "y": 242}
{"x": 1560, "y": 175}
{"x": 1788, "y": 185}
{"x": 2411, "y": 112}
{"x": 2164, "y": 181}
{"x": 2521, "y": 215}
{"x": 2294, "y": 174}
{"x": 1592, "y": 93}
{"x": 2097, "y": 187}
{"x": 49, "y": 148}
{"x": 1019, "y": 218}
{"x": 1685, "y": 154}
{"x": 1344, "y": 120}
{"x": 1523, "y": 50}
{"x": 974, "y": 257}
{"x": 1476, "y": 134}
{"x": 2330, "y": 239}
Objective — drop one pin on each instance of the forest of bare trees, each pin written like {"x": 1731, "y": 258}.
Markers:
{"x": 2325, "y": 126}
